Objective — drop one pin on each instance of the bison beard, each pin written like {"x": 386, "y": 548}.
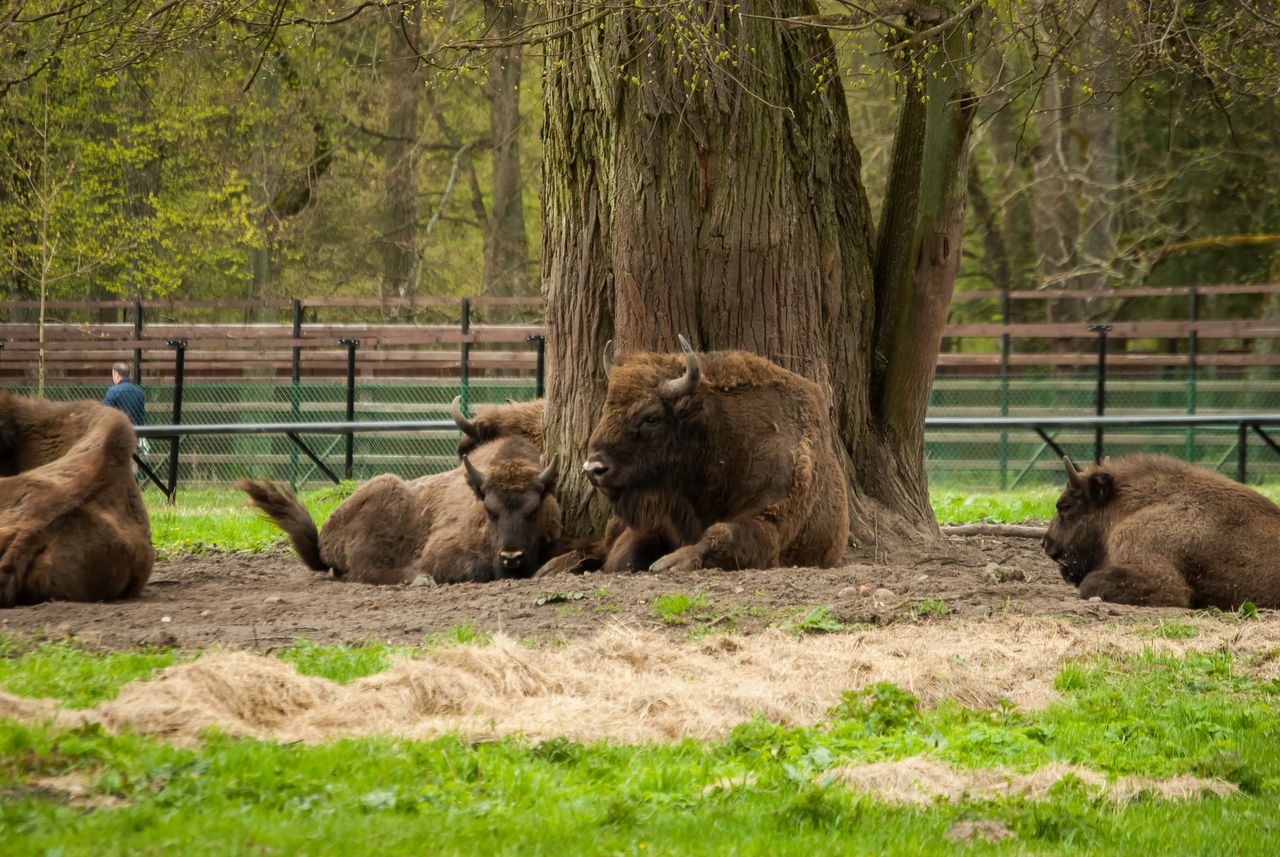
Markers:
{"x": 493, "y": 516}
{"x": 1152, "y": 530}
{"x": 720, "y": 460}
{"x": 72, "y": 522}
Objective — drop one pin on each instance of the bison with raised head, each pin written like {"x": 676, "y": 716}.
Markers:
{"x": 72, "y": 522}
{"x": 1149, "y": 529}
{"x": 719, "y": 459}
{"x": 493, "y": 516}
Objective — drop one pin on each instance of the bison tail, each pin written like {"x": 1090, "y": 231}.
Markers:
{"x": 289, "y": 515}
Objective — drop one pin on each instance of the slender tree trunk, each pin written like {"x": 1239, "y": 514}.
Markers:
{"x": 404, "y": 90}
{"x": 726, "y": 204}
{"x": 506, "y": 246}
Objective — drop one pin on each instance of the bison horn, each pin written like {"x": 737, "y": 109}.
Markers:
{"x": 475, "y": 477}
{"x": 688, "y": 382}
{"x": 464, "y": 425}
{"x": 1074, "y": 479}
{"x": 606, "y": 358}
{"x": 547, "y": 478}
{"x": 684, "y": 344}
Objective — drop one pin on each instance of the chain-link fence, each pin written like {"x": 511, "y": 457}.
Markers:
{"x": 218, "y": 460}
{"x": 998, "y": 458}
{"x": 981, "y": 459}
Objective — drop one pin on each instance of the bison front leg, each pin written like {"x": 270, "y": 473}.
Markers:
{"x": 16, "y": 553}
{"x": 633, "y": 551}
{"x": 749, "y": 543}
{"x": 1153, "y": 585}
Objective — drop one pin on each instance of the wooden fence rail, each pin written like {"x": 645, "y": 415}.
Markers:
{"x": 83, "y": 349}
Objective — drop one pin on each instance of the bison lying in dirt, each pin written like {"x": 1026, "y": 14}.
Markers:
{"x": 493, "y": 516}
{"x": 1149, "y": 529}
{"x": 720, "y": 460}
{"x": 72, "y": 522}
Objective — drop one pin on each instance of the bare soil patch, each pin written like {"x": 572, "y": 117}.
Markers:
{"x": 263, "y": 601}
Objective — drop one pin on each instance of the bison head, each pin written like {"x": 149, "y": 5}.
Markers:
{"x": 647, "y": 434}
{"x": 523, "y": 514}
{"x": 1076, "y": 539}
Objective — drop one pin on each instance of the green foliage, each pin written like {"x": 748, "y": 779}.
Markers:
{"x": 674, "y": 608}
{"x": 815, "y": 620}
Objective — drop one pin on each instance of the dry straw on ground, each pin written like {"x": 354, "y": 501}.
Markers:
{"x": 921, "y": 781}
{"x": 625, "y": 685}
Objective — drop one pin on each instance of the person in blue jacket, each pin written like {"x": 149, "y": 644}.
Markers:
{"x": 126, "y": 396}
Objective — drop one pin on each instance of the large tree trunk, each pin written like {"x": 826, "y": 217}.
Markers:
{"x": 732, "y": 211}
{"x": 506, "y": 246}
{"x": 404, "y": 90}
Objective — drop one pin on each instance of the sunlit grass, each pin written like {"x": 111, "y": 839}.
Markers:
{"x": 760, "y": 790}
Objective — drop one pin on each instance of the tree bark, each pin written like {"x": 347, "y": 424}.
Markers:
{"x": 725, "y": 203}
{"x": 399, "y": 150}
{"x": 506, "y": 246}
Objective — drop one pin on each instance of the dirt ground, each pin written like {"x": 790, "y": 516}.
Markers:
{"x": 265, "y": 601}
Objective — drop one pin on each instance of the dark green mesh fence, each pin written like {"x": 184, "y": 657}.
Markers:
{"x": 994, "y": 458}
{"x": 981, "y": 459}
{"x": 214, "y": 460}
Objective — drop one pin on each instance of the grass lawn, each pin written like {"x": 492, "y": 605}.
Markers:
{"x": 764, "y": 789}
{"x": 204, "y": 519}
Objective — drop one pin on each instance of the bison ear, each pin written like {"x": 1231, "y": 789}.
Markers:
{"x": 475, "y": 478}
{"x": 1101, "y": 488}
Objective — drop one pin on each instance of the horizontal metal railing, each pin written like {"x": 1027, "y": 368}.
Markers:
{"x": 1242, "y": 423}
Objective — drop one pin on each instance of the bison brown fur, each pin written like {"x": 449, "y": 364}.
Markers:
{"x": 72, "y": 522}
{"x": 493, "y": 516}
{"x": 1153, "y": 530}
{"x": 514, "y": 419}
{"x": 721, "y": 460}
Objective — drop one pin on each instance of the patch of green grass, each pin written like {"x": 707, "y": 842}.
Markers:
{"x": 464, "y": 633}
{"x": 342, "y": 664}
{"x": 763, "y": 789}
{"x": 63, "y": 671}
{"x": 814, "y": 620}
{"x": 929, "y": 607}
{"x": 999, "y": 507}
{"x": 1170, "y": 629}
{"x": 220, "y": 519}
{"x": 674, "y": 608}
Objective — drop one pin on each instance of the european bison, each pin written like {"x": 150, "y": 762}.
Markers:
{"x": 495, "y": 515}
{"x": 72, "y": 522}
{"x": 514, "y": 419}
{"x": 721, "y": 460}
{"x": 1149, "y": 529}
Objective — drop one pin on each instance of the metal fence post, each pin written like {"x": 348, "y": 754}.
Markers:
{"x": 295, "y": 408}
{"x": 179, "y": 370}
{"x": 1006, "y": 346}
{"x": 466, "y": 353}
{"x": 351, "y": 398}
{"x": 137, "y": 335}
{"x": 540, "y": 372}
{"x": 1242, "y": 453}
{"x": 1100, "y": 398}
{"x": 1193, "y": 315}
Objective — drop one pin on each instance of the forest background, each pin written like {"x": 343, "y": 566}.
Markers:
{"x": 322, "y": 149}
